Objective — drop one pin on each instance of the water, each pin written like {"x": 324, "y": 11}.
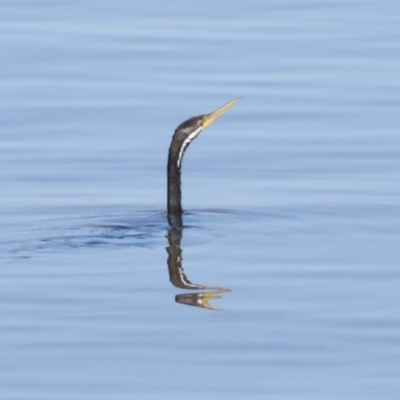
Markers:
{"x": 292, "y": 199}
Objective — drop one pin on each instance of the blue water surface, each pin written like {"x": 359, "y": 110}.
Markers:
{"x": 292, "y": 199}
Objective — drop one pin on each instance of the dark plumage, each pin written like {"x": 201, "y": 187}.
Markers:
{"x": 184, "y": 134}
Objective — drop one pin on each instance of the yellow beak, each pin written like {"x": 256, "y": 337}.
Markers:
{"x": 208, "y": 119}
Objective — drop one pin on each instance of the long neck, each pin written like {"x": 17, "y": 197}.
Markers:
{"x": 174, "y": 188}
{"x": 181, "y": 139}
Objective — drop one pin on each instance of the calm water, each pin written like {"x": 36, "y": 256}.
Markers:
{"x": 292, "y": 199}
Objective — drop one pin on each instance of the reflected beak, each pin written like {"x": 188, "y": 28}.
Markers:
{"x": 210, "y": 118}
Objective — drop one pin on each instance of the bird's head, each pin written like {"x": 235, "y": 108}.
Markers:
{"x": 192, "y": 127}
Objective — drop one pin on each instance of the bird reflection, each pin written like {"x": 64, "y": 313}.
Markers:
{"x": 183, "y": 136}
{"x": 178, "y": 277}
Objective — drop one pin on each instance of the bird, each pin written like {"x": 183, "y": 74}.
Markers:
{"x": 183, "y": 136}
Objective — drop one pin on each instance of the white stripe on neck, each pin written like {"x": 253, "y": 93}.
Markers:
{"x": 187, "y": 142}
